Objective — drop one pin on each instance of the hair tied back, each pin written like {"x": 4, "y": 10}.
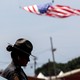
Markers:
{"x": 9, "y": 48}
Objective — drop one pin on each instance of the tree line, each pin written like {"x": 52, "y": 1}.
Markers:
{"x": 48, "y": 69}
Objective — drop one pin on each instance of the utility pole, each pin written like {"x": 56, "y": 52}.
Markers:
{"x": 35, "y": 58}
{"x": 54, "y": 66}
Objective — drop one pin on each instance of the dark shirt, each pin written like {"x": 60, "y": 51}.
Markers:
{"x": 13, "y": 72}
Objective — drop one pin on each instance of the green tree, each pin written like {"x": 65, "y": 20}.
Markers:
{"x": 48, "y": 69}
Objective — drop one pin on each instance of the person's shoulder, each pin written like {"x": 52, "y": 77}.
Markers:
{"x": 9, "y": 70}
{"x": 10, "y": 73}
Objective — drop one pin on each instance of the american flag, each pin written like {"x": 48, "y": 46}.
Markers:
{"x": 53, "y": 11}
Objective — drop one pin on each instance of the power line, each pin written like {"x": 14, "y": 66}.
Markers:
{"x": 43, "y": 51}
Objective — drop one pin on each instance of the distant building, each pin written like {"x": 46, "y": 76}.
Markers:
{"x": 71, "y": 75}
{"x": 34, "y": 78}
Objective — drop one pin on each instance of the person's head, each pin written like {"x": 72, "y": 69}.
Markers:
{"x": 21, "y": 51}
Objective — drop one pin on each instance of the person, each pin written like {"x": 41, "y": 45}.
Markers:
{"x": 20, "y": 54}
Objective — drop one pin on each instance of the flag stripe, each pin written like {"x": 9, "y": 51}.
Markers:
{"x": 53, "y": 11}
{"x": 68, "y": 9}
{"x": 59, "y": 12}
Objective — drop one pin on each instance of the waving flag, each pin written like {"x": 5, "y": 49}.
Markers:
{"x": 52, "y": 11}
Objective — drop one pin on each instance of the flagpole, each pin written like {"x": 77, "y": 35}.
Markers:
{"x": 54, "y": 66}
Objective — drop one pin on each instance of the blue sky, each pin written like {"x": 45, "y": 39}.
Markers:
{"x": 16, "y": 23}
